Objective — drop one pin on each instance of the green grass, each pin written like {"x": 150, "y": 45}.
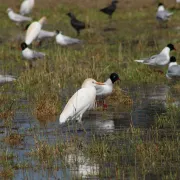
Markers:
{"x": 130, "y": 153}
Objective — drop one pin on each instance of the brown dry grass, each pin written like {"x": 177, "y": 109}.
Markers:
{"x": 6, "y": 174}
{"x": 119, "y": 97}
{"x": 13, "y": 139}
{"x": 46, "y": 105}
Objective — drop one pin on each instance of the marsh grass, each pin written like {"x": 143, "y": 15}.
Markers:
{"x": 7, "y": 106}
{"x": 130, "y": 153}
{"x": 6, "y": 163}
{"x": 118, "y": 96}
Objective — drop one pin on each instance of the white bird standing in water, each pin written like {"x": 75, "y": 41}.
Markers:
{"x": 66, "y": 40}
{"x": 29, "y": 54}
{"x": 80, "y": 102}
{"x": 34, "y": 30}
{"x": 26, "y": 7}
{"x": 17, "y": 17}
{"x": 6, "y": 78}
{"x": 160, "y": 59}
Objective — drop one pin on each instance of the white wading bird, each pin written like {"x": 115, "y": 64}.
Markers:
{"x": 162, "y": 14}
{"x": 26, "y": 7}
{"x": 159, "y": 59}
{"x": 80, "y": 102}
{"x": 106, "y": 89}
{"x": 30, "y": 54}
{"x": 66, "y": 40}
{"x": 17, "y": 17}
{"x": 173, "y": 69}
{"x": 33, "y": 30}
{"x": 6, "y": 78}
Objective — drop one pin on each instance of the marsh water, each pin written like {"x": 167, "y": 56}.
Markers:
{"x": 148, "y": 103}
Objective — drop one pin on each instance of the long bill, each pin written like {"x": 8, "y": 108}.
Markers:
{"x": 99, "y": 83}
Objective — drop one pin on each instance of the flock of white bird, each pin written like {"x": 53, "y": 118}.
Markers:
{"x": 84, "y": 98}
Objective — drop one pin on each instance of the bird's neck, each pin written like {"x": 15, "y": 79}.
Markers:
{"x": 109, "y": 82}
{"x": 161, "y": 8}
{"x": 32, "y": 2}
{"x": 172, "y": 64}
{"x": 165, "y": 51}
{"x": 42, "y": 20}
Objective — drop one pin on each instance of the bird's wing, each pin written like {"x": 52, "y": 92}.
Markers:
{"x": 19, "y": 17}
{"x": 78, "y": 23}
{"x": 32, "y": 32}
{"x": 109, "y": 8}
{"x": 77, "y": 104}
{"x": 44, "y": 34}
{"x": 151, "y": 61}
{"x": 24, "y": 6}
{"x": 163, "y": 15}
{"x": 38, "y": 55}
{"x": 70, "y": 40}
{"x": 174, "y": 70}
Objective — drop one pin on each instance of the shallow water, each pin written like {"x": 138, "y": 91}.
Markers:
{"x": 149, "y": 102}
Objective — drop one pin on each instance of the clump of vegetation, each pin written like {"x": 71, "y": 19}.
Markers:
{"x": 6, "y": 107}
{"x": 46, "y": 105}
{"x": 7, "y": 173}
{"x": 176, "y": 87}
{"x": 13, "y": 139}
{"x": 6, "y": 165}
{"x": 119, "y": 97}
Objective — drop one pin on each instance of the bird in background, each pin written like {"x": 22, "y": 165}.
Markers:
{"x": 160, "y": 59}
{"x": 162, "y": 14}
{"x": 66, "y": 40}
{"x": 17, "y": 18}
{"x": 6, "y": 78}
{"x": 173, "y": 69}
{"x": 33, "y": 30}
{"x": 105, "y": 89}
{"x": 76, "y": 24}
{"x": 109, "y": 10}
{"x": 26, "y": 7}
{"x": 30, "y": 54}
{"x": 80, "y": 102}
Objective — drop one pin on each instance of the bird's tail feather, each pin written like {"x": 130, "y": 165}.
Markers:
{"x": 140, "y": 61}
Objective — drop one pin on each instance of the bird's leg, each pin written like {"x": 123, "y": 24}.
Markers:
{"x": 105, "y": 106}
{"x": 78, "y": 32}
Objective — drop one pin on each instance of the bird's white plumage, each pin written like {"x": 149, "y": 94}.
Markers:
{"x": 173, "y": 70}
{"x": 160, "y": 59}
{"x": 6, "y": 78}
{"x": 26, "y": 7}
{"x": 43, "y": 34}
{"x": 33, "y": 31}
{"x": 17, "y": 17}
{"x": 102, "y": 90}
{"x": 66, "y": 40}
{"x": 81, "y": 101}
{"x": 32, "y": 55}
{"x": 162, "y": 14}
